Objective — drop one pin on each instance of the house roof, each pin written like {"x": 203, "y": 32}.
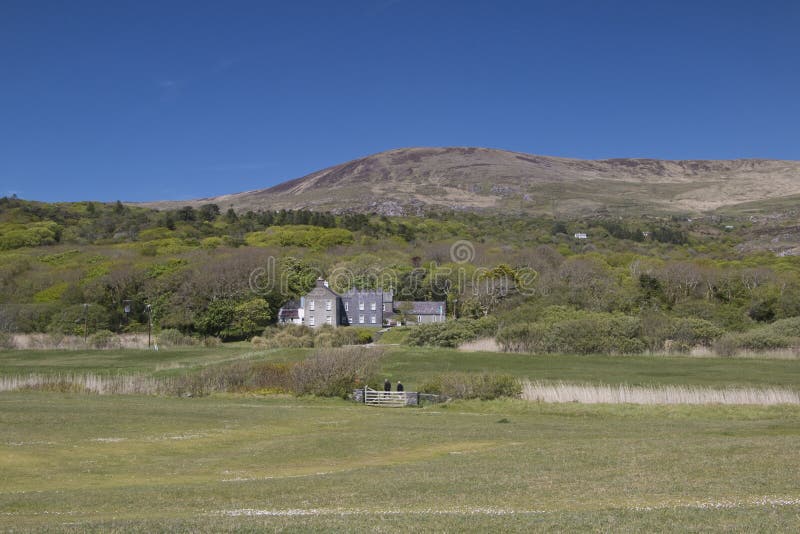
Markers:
{"x": 290, "y": 310}
{"x": 291, "y": 305}
{"x": 321, "y": 292}
{"x": 366, "y": 292}
{"x": 289, "y": 314}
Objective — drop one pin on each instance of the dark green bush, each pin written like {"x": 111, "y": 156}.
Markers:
{"x": 786, "y": 327}
{"x": 661, "y": 332}
{"x": 570, "y": 331}
{"x": 522, "y": 337}
{"x": 759, "y": 339}
{"x": 229, "y": 319}
{"x": 327, "y": 336}
{"x": 452, "y": 333}
{"x": 484, "y": 386}
{"x": 694, "y": 331}
{"x": 70, "y": 320}
{"x": 781, "y": 334}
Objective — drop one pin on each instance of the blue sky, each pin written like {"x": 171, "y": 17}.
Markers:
{"x": 173, "y": 100}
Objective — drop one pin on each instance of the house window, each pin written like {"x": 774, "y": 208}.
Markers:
{"x": 328, "y": 320}
{"x": 328, "y": 305}
{"x": 311, "y": 320}
{"x": 372, "y": 319}
{"x": 384, "y": 306}
{"x": 361, "y": 319}
{"x": 419, "y": 318}
{"x": 347, "y": 305}
{"x": 360, "y": 305}
{"x": 373, "y": 306}
{"x": 311, "y": 305}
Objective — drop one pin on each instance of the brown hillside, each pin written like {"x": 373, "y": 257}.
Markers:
{"x": 414, "y": 180}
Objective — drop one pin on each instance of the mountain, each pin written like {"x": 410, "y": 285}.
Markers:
{"x": 415, "y": 180}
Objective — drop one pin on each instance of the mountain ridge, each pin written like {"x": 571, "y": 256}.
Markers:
{"x": 419, "y": 179}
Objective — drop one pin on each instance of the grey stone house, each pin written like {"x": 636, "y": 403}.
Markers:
{"x": 322, "y": 306}
{"x": 367, "y": 307}
{"x": 361, "y": 307}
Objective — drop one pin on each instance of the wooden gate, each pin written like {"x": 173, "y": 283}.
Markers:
{"x": 390, "y": 399}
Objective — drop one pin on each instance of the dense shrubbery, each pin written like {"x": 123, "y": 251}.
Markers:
{"x": 290, "y": 336}
{"x": 232, "y": 320}
{"x": 72, "y": 320}
{"x": 452, "y": 333}
{"x": 328, "y": 372}
{"x": 339, "y": 337}
{"x": 29, "y": 235}
{"x": 563, "y": 330}
{"x": 484, "y": 386}
{"x": 300, "y": 236}
{"x": 566, "y": 331}
{"x": 297, "y": 336}
{"x": 335, "y": 372}
{"x": 661, "y": 332}
{"x": 781, "y": 334}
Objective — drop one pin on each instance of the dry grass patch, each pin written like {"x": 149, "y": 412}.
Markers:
{"x": 624, "y": 394}
{"x": 487, "y": 344}
{"x": 88, "y": 383}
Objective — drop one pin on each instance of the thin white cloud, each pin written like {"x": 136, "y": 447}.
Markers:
{"x": 168, "y": 90}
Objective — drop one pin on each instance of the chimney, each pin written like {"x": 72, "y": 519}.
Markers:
{"x": 321, "y": 282}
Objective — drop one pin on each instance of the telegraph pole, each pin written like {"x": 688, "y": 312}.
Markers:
{"x": 149, "y": 311}
{"x": 85, "y": 322}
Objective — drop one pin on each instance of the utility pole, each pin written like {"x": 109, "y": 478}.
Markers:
{"x": 85, "y": 322}
{"x": 149, "y": 311}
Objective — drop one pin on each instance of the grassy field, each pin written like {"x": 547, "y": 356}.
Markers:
{"x": 415, "y": 365}
{"x": 17, "y": 362}
{"x": 77, "y": 462}
{"x": 147, "y": 463}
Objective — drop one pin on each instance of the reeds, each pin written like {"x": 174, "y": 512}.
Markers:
{"x": 485, "y": 344}
{"x": 329, "y": 372}
{"x": 620, "y": 394}
{"x": 89, "y": 383}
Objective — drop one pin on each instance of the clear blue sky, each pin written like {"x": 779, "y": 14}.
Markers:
{"x": 145, "y": 100}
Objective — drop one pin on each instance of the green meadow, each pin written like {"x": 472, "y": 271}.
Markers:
{"x": 240, "y": 462}
{"x": 416, "y": 365}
